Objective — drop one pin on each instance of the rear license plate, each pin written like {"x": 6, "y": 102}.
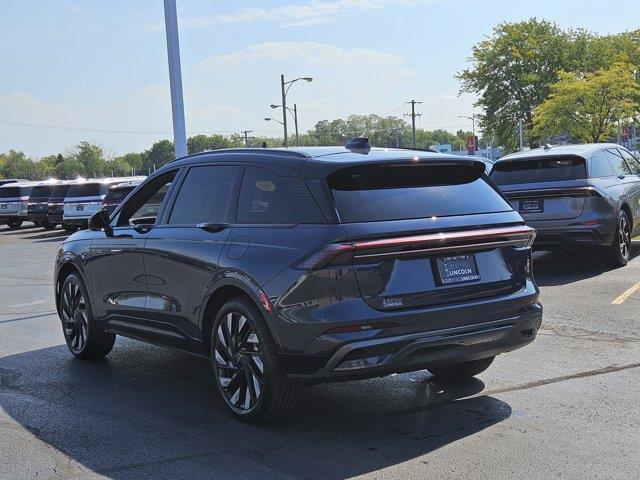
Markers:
{"x": 3, "y": 206}
{"x": 457, "y": 269}
{"x": 79, "y": 208}
{"x": 532, "y": 206}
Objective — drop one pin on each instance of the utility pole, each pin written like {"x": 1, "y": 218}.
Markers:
{"x": 246, "y": 137}
{"x": 520, "y": 140}
{"x": 295, "y": 120}
{"x": 175, "y": 78}
{"x": 413, "y": 116}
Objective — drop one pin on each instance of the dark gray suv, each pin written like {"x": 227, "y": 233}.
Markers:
{"x": 576, "y": 196}
{"x": 290, "y": 267}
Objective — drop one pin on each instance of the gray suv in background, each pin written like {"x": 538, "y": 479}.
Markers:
{"x": 576, "y": 195}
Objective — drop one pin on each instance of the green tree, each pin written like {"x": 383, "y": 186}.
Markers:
{"x": 512, "y": 72}
{"x": 70, "y": 168}
{"x": 15, "y": 164}
{"x": 137, "y": 161}
{"x": 589, "y": 107}
{"x": 160, "y": 153}
{"x": 202, "y": 143}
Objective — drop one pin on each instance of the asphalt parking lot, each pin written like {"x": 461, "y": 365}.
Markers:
{"x": 564, "y": 407}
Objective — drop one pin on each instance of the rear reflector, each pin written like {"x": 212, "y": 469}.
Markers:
{"x": 361, "y": 328}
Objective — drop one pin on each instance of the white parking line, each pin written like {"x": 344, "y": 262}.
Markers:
{"x": 626, "y": 294}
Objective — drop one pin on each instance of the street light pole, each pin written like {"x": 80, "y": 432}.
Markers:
{"x": 284, "y": 111}
{"x": 295, "y": 120}
{"x": 175, "y": 78}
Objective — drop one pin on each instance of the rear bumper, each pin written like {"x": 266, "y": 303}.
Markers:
{"x": 37, "y": 217}
{"x": 403, "y": 353}
{"x": 75, "y": 221}
{"x": 12, "y": 216}
{"x": 54, "y": 218}
{"x": 571, "y": 235}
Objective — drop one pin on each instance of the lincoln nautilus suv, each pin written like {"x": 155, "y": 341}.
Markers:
{"x": 289, "y": 267}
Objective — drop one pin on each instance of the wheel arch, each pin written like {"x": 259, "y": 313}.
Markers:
{"x": 225, "y": 290}
{"x": 627, "y": 209}
{"x": 64, "y": 271}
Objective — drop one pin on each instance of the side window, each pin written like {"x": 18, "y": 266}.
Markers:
{"x": 620, "y": 167}
{"x": 205, "y": 196}
{"x": 267, "y": 197}
{"x": 599, "y": 165}
{"x": 633, "y": 162}
{"x": 144, "y": 206}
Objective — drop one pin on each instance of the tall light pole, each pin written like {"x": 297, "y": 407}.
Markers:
{"x": 175, "y": 78}
{"x": 473, "y": 122}
{"x": 284, "y": 101}
{"x": 413, "y": 116}
{"x": 293, "y": 111}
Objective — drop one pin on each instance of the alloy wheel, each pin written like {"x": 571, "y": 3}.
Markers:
{"x": 75, "y": 322}
{"x": 624, "y": 235}
{"x": 239, "y": 362}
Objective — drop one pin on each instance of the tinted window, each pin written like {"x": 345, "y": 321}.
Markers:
{"x": 632, "y": 161}
{"x": 267, "y": 197}
{"x": 549, "y": 169}
{"x": 114, "y": 197}
{"x": 205, "y": 195}
{"x": 9, "y": 192}
{"x": 377, "y": 193}
{"x": 41, "y": 191}
{"x": 86, "y": 190}
{"x": 620, "y": 167}
{"x": 599, "y": 165}
{"x": 144, "y": 206}
{"x": 60, "y": 191}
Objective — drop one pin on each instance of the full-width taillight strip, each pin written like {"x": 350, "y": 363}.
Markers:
{"x": 553, "y": 192}
{"x": 519, "y": 236}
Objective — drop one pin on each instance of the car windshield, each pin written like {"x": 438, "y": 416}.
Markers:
{"x": 379, "y": 192}
{"x": 546, "y": 169}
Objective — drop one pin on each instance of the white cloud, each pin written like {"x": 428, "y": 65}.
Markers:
{"x": 313, "y": 12}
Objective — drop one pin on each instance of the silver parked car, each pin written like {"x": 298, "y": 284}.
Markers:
{"x": 14, "y": 198}
{"x": 576, "y": 195}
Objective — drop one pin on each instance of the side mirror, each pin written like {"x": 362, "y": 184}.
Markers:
{"x": 99, "y": 221}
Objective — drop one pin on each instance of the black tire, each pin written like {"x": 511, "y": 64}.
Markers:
{"x": 460, "y": 371}
{"x": 70, "y": 228}
{"x": 619, "y": 253}
{"x": 85, "y": 339}
{"x": 14, "y": 224}
{"x": 48, "y": 225}
{"x": 251, "y": 394}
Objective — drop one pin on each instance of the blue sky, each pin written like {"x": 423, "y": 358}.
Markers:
{"x": 92, "y": 67}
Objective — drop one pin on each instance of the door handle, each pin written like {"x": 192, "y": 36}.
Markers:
{"x": 143, "y": 228}
{"x": 213, "y": 227}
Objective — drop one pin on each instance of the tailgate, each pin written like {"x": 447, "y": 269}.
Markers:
{"x": 547, "y": 202}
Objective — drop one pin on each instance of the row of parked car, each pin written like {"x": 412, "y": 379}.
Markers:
{"x": 69, "y": 203}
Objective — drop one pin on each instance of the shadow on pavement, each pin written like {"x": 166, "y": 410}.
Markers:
{"x": 559, "y": 268}
{"x": 146, "y": 411}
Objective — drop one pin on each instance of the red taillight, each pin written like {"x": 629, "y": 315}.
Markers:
{"x": 328, "y": 254}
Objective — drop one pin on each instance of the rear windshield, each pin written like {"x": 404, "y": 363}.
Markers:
{"x": 85, "y": 190}
{"x": 41, "y": 191}
{"x": 60, "y": 191}
{"x": 117, "y": 195}
{"x": 550, "y": 169}
{"x": 378, "y": 192}
{"x": 9, "y": 192}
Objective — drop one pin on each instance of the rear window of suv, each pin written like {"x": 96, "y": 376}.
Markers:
{"x": 547, "y": 169}
{"x": 117, "y": 195}
{"x": 9, "y": 192}
{"x": 85, "y": 190}
{"x": 41, "y": 191}
{"x": 372, "y": 193}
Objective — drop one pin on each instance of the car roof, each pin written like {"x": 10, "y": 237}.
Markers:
{"x": 129, "y": 184}
{"x": 584, "y": 150}
{"x": 330, "y": 158}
